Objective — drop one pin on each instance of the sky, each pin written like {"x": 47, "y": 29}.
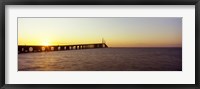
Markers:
{"x": 116, "y": 31}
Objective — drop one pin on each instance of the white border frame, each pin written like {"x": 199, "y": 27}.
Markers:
{"x": 186, "y": 76}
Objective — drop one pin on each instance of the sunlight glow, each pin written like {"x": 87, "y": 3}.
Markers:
{"x": 45, "y": 43}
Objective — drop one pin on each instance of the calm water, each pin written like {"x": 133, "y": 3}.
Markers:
{"x": 104, "y": 59}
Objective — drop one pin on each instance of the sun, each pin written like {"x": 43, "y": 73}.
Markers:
{"x": 45, "y": 43}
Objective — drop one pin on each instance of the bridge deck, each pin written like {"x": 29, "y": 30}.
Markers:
{"x": 42, "y": 48}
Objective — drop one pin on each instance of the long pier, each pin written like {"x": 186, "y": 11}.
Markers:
{"x": 42, "y": 48}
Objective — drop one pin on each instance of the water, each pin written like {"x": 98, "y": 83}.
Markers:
{"x": 104, "y": 59}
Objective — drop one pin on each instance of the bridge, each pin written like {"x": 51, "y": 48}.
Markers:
{"x": 42, "y": 48}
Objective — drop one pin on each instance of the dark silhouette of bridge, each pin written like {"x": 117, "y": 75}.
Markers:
{"x": 42, "y": 48}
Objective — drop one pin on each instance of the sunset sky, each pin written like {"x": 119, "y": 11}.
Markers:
{"x": 117, "y": 32}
